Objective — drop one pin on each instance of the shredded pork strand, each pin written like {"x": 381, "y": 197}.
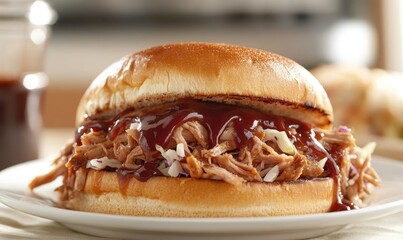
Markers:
{"x": 58, "y": 169}
{"x": 194, "y": 167}
{"x": 228, "y": 162}
{"x": 357, "y": 175}
{"x": 225, "y": 161}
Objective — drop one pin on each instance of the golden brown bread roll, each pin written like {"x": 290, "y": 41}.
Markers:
{"x": 188, "y": 197}
{"x": 217, "y": 72}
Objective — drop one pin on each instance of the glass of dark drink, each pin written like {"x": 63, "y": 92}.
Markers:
{"x": 24, "y": 31}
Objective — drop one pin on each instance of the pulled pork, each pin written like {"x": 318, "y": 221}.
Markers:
{"x": 260, "y": 160}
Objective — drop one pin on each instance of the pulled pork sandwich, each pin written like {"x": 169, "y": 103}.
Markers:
{"x": 209, "y": 130}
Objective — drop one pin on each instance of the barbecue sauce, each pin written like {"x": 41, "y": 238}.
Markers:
{"x": 157, "y": 125}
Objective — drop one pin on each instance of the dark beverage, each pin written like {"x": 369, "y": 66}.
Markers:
{"x": 24, "y": 31}
{"x": 20, "y": 119}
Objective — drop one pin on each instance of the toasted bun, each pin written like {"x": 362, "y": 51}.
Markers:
{"x": 188, "y": 197}
{"x": 211, "y": 72}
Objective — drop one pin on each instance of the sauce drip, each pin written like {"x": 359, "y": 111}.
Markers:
{"x": 124, "y": 177}
{"x": 157, "y": 125}
{"x": 97, "y": 182}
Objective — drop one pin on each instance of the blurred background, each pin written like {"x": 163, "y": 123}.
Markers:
{"x": 335, "y": 39}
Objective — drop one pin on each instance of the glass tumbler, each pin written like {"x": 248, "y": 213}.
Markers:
{"x": 24, "y": 31}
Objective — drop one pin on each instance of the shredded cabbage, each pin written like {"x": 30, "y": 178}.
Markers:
{"x": 134, "y": 125}
{"x": 101, "y": 163}
{"x": 180, "y": 150}
{"x": 322, "y": 162}
{"x": 163, "y": 169}
{"x": 171, "y": 155}
{"x": 370, "y": 147}
{"x": 281, "y": 139}
{"x": 272, "y": 174}
{"x": 175, "y": 169}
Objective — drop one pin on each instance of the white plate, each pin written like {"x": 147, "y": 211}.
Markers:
{"x": 13, "y": 192}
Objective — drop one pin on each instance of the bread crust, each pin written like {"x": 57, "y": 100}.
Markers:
{"x": 210, "y": 72}
{"x": 189, "y": 197}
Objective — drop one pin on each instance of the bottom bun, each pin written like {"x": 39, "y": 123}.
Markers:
{"x": 189, "y": 197}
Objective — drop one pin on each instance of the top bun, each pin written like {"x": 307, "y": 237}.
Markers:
{"x": 211, "y": 72}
